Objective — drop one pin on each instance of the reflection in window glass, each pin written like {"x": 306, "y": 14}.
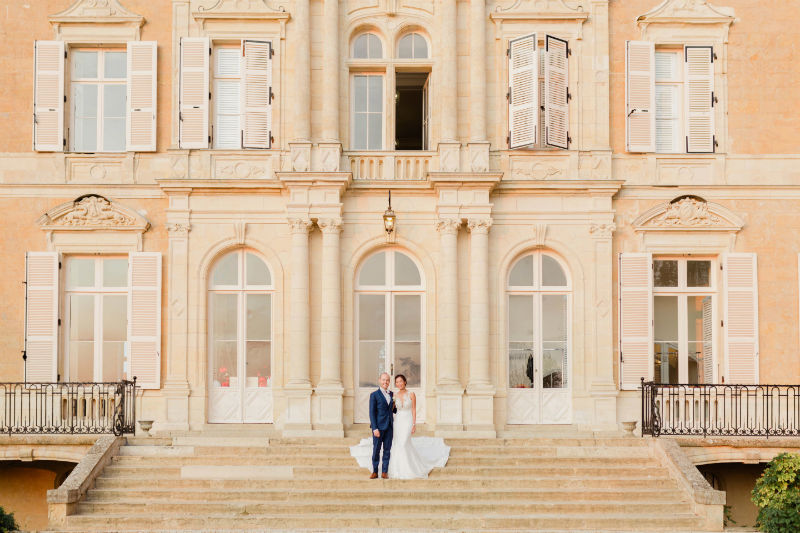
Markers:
{"x": 665, "y": 314}
{"x": 257, "y": 339}
{"x": 367, "y": 46}
{"x": 256, "y": 271}
{"x": 84, "y": 64}
{"x": 405, "y": 270}
{"x": 115, "y": 64}
{"x": 368, "y": 112}
{"x": 700, "y": 333}
{"x": 554, "y": 341}
{"x": 223, "y": 359}
{"x": 115, "y": 333}
{"x": 81, "y": 337}
{"x": 521, "y": 362}
{"x": 522, "y": 273}
{"x": 227, "y": 271}
{"x": 552, "y": 273}
{"x": 408, "y": 337}
{"x": 665, "y": 273}
{"x": 412, "y": 46}
{"x": 115, "y": 272}
{"x": 80, "y": 272}
{"x": 698, "y": 273}
{"x": 371, "y": 338}
{"x": 373, "y": 272}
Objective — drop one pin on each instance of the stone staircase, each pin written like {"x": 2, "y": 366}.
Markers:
{"x": 201, "y": 483}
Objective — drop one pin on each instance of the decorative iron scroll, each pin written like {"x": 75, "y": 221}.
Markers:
{"x": 67, "y": 408}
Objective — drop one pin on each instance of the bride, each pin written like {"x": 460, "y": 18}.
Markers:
{"x": 410, "y": 458}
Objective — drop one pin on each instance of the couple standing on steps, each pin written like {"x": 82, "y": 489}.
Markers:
{"x": 393, "y": 419}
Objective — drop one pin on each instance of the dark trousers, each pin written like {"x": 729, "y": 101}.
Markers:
{"x": 384, "y": 440}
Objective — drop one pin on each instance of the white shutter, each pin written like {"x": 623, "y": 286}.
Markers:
{"x": 257, "y": 110}
{"x": 48, "y": 96}
{"x": 144, "y": 318}
{"x": 141, "y": 117}
{"x": 194, "y": 92}
{"x": 699, "y": 69}
{"x": 708, "y": 340}
{"x": 41, "y": 326}
{"x": 635, "y": 318}
{"x": 556, "y": 90}
{"x": 640, "y": 96}
{"x": 741, "y": 318}
{"x": 523, "y": 82}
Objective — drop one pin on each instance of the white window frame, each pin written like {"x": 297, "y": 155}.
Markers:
{"x": 682, "y": 291}
{"x": 366, "y": 35}
{"x": 678, "y": 85}
{"x": 100, "y": 81}
{"x": 214, "y": 77}
{"x": 383, "y": 113}
{"x": 98, "y": 291}
{"x": 413, "y": 57}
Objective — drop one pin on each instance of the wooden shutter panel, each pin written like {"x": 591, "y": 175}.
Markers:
{"x": 48, "y": 96}
{"x": 194, "y": 92}
{"x": 708, "y": 340}
{"x": 741, "y": 318}
{"x": 41, "y": 326}
{"x": 257, "y": 79}
{"x": 523, "y": 101}
{"x": 144, "y": 318}
{"x": 699, "y": 69}
{"x": 636, "y": 318}
{"x": 556, "y": 90}
{"x": 640, "y": 96}
{"x": 141, "y": 119}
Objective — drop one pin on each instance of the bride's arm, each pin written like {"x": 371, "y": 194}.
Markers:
{"x": 413, "y": 412}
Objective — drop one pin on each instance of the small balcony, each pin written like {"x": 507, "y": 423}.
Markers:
{"x": 67, "y": 408}
{"x": 412, "y": 165}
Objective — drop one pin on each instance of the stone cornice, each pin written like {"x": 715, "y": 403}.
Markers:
{"x": 97, "y": 11}
{"x": 688, "y": 213}
{"x": 692, "y": 11}
{"x": 549, "y": 187}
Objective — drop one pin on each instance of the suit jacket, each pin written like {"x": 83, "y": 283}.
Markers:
{"x": 380, "y": 412}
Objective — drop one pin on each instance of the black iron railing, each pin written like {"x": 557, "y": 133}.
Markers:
{"x": 720, "y": 410}
{"x": 64, "y": 408}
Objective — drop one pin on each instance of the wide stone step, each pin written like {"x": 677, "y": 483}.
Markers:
{"x": 396, "y": 508}
{"x": 538, "y": 521}
{"x": 654, "y": 481}
{"x": 370, "y": 495}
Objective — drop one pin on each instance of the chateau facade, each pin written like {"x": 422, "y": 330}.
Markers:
{"x": 585, "y": 194}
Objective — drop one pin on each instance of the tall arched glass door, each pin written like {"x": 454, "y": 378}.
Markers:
{"x": 539, "y": 341}
{"x": 240, "y": 339}
{"x": 389, "y": 326}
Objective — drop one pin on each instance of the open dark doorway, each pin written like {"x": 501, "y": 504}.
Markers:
{"x": 411, "y": 111}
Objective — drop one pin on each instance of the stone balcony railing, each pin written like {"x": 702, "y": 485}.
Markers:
{"x": 407, "y": 165}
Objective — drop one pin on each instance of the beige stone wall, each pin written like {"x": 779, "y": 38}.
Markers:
{"x": 24, "y": 490}
{"x": 737, "y": 481}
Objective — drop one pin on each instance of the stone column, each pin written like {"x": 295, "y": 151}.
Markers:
{"x": 480, "y": 391}
{"x": 478, "y": 145}
{"x": 300, "y": 149}
{"x": 330, "y": 147}
{"x": 449, "y": 147}
{"x": 329, "y": 390}
{"x": 298, "y": 386}
{"x": 448, "y": 387}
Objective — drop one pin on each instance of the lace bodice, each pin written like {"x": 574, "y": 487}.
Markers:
{"x": 404, "y": 403}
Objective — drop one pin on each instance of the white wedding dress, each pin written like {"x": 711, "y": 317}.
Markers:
{"x": 410, "y": 458}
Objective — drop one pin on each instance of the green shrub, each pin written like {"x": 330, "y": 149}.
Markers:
{"x": 777, "y": 495}
{"x": 7, "y": 522}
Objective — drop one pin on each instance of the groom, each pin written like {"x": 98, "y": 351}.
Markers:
{"x": 381, "y": 406}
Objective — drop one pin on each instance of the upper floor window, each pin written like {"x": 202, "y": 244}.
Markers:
{"x": 538, "y": 92}
{"x": 98, "y": 92}
{"x": 367, "y": 46}
{"x": 412, "y": 46}
{"x": 240, "y": 114}
{"x": 106, "y": 102}
{"x": 670, "y": 98}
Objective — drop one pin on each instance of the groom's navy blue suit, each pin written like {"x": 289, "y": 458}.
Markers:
{"x": 380, "y": 418}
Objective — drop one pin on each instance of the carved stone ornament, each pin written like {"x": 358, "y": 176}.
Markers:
{"x": 479, "y": 225}
{"x": 568, "y": 6}
{"x": 300, "y": 225}
{"x": 687, "y": 10}
{"x": 688, "y": 212}
{"x": 92, "y": 212}
{"x": 602, "y": 230}
{"x": 539, "y": 235}
{"x": 242, "y": 6}
{"x": 330, "y": 225}
{"x": 179, "y": 228}
{"x": 448, "y": 225}
{"x": 82, "y": 10}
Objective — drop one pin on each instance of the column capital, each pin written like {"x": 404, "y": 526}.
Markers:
{"x": 448, "y": 226}
{"x": 330, "y": 225}
{"x": 300, "y": 225}
{"x": 602, "y": 230}
{"x": 178, "y": 229}
{"x": 479, "y": 225}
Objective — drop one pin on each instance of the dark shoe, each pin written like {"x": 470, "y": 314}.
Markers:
{"x": 373, "y": 475}
{"x": 385, "y": 475}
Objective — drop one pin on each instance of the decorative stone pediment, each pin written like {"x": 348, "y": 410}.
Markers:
{"x": 696, "y": 11}
{"x": 88, "y": 10}
{"x": 92, "y": 212}
{"x": 564, "y": 18}
{"x": 540, "y": 6}
{"x": 106, "y": 21}
{"x": 688, "y": 213}
{"x": 240, "y": 8}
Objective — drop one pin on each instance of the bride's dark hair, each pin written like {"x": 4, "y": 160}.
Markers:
{"x": 401, "y": 376}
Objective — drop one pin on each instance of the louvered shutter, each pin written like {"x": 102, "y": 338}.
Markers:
{"x": 194, "y": 92}
{"x": 640, "y": 96}
{"x": 699, "y": 69}
{"x": 708, "y": 340}
{"x": 48, "y": 96}
{"x": 141, "y": 117}
{"x": 523, "y": 100}
{"x": 741, "y": 318}
{"x": 556, "y": 90}
{"x": 257, "y": 119}
{"x": 636, "y": 318}
{"x": 228, "y": 97}
{"x": 144, "y": 318}
{"x": 41, "y": 326}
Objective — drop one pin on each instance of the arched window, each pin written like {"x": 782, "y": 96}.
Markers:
{"x": 538, "y": 339}
{"x": 412, "y": 46}
{"x": 389, "y": 323}
{"x": 240, "y": 339}
{"x": 367, "y": 46}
